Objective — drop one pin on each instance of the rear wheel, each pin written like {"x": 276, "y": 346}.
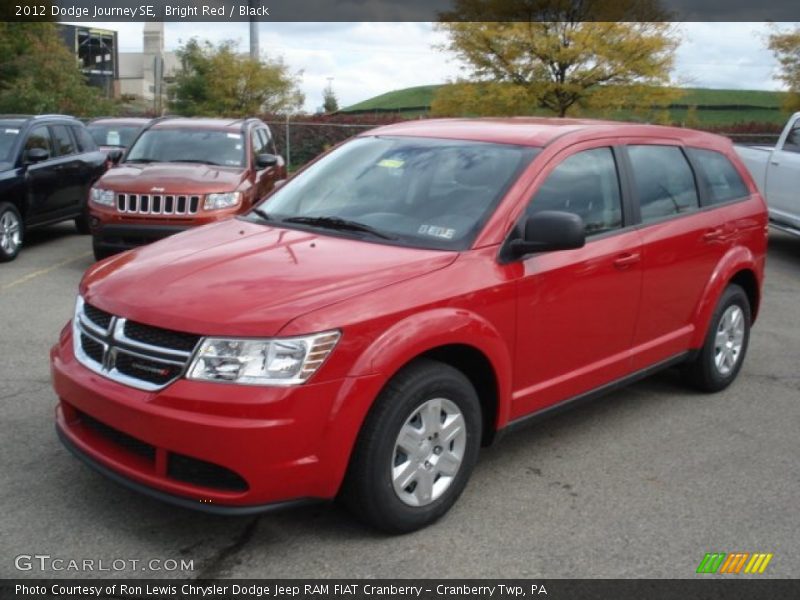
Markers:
{"x": 416, "y": 449}
{"x": 722, "y": 355}
{"x": 11, "y": 230}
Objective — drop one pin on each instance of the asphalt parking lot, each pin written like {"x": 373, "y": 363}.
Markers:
{"x": 641, "y": 483}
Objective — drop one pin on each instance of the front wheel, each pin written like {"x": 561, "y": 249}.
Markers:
{"x": 416, "y": 450}
{"x": 722, "y": 355}
{"x": 10, "y": 232}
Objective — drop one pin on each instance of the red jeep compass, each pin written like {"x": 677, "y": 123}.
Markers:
{"x": 401, "y": 301}
{"x": 180, "y": 173}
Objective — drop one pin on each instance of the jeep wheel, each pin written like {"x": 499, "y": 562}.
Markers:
{"x": 10, "y": 232}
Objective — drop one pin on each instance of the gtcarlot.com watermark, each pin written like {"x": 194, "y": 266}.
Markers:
{"x": 48, "y": 563}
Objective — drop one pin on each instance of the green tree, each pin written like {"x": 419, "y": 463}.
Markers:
{"x": 580, "y": 57}
{"x": 330, "y": 104}
{"x": 785, "y": 45}
{"x": 38, "y": 74}
{"x": 218, "y": 81}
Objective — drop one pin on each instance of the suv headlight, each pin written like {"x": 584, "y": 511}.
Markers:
{"x": 102, "y": 197}
{"x": 279, "y": 361}
{"x": 218, "y": 201}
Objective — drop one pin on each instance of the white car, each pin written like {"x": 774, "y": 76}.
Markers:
{"x": 776, "y": 172}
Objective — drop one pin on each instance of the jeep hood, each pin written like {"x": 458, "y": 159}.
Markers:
{"x": 171, "y": 178}
{"x": 236, "y": 277}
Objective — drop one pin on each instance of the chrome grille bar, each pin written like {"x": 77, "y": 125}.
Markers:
{"x": 158, "y": 204}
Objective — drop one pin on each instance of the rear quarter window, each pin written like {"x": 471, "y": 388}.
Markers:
{"x": 663, "y": 181}
{"x": 722, "y": 179}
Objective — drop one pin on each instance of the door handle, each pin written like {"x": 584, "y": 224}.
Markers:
{"x": 624, "y": 261}
{"x": 714, "y": 235}
{"x": 774, "y": 163}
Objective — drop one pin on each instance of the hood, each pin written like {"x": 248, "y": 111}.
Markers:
{"x": 172, "y": 178}
{"x": 240, "y": 278}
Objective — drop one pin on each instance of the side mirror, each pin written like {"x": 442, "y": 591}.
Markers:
{"x": 35, "y": 155}
{"x": 115, "y": 155}
{"x": 264, "y": 161}
{"x": 550, "y": 230}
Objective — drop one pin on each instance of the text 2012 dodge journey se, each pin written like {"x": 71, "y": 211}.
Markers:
{"x": 403, "y": 300}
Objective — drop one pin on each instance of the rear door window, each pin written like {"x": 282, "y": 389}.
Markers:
{"x": 663, "y": 181}
{"x": 39, "y": 137}
{"x": 723, "y": 180}
{"x": 587, "y": 185}
{"x": 62, "y": 141}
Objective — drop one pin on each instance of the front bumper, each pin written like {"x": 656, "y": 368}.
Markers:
{"x": 216, "y": 447}
{"x": 117, "y": 238}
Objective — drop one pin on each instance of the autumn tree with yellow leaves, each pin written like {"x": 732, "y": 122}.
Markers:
{"x": 558, "y": 55}
{"x": 785, "y": 45}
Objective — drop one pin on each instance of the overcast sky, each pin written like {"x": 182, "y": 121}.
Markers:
{"x": 367, "y": 59}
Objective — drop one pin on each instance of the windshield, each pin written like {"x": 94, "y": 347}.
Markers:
{"x": 207, "y": 146}
{"x": 428, "y": 193}
{"x": 9, "y": 132}
{"x": 113, "y": 135}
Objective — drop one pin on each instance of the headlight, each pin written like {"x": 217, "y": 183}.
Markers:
{"x": 281, "y": 361}
{"x": 103, "y": 197}
{"x": 218, "y": 201}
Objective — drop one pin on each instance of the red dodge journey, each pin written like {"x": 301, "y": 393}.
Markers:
{"x": 403, "y": 300}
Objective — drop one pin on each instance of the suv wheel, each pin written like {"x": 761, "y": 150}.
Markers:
{"x": 723, "y": 353}
{"x": 100, "y": 252}
{"x": 82, "y": 222}
{"x": 10, "y": 232}
{"x": 416, "y": 450}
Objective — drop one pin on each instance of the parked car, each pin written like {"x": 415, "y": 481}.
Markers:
{"x": 181, "y": 173}
{"x": 401, "y": 301}
{"x": 776, "y": 171}
{"x": 116, "y": 133}
{"x": 47, "y": 165}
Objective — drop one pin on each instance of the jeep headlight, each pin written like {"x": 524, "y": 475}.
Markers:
{"x": 219, "y": 201}
{"x": 102, "y": 197}
{"x": 279, "y": 361}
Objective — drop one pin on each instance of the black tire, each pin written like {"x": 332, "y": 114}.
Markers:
{"x": 11, "y": 239}
{"x": 368, "y": 490}
{"x": 82, "y": 223}
{"x": 703, "y": 371}
{"x": 101, "y": 252}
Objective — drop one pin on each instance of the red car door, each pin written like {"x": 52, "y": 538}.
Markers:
{"x": 577, "y": 309}
{"x": 681, "y": 245}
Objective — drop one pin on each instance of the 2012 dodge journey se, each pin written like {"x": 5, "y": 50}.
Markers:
{"x": 401, "y": 301}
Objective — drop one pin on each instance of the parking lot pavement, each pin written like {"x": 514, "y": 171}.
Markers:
{"x": 642, "y": 483}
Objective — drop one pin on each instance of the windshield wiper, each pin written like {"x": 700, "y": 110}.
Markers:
{"x": 338, "y": 223}
{"x": 141, "y": 160}
{"x": 262, "y": 213}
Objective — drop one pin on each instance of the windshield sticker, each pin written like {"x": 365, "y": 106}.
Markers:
{"x": 235, "y": 136}
{"x": 391, "y": 163}
{"x": 113, "y": 138}
{"x": 12, "y": 130}
{"x": 446, "y": 233}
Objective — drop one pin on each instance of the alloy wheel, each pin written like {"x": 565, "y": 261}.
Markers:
{"x": 10, "y": 232}
{"x": 729, "y": 340}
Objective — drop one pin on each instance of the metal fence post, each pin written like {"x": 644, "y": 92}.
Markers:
{"x": 288, "y": 145}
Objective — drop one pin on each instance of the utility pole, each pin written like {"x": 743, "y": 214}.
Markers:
{"x": 254, "y": 49}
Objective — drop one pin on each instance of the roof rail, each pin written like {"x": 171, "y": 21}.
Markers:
{"x": 55, "y": 115}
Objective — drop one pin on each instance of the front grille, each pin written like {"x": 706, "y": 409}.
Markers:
{"x": 93, "y": 349}
{"x": 129, "y": 443}
{"x": 155, "y": 336}
{"x": 203, "y": 474}
{"x": 99, "y": 317}
{"x": 157, "y": 204}
{"x": 138, "y": 355}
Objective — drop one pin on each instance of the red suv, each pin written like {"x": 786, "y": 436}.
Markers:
{"x": 180, "y": 173}
{"x": 403, "y": 300}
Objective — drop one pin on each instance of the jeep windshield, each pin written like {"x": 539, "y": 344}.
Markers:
{"x": 421, "y": 192}
{"x": 120, "y": 136}
{"x": 189, "y": 145}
